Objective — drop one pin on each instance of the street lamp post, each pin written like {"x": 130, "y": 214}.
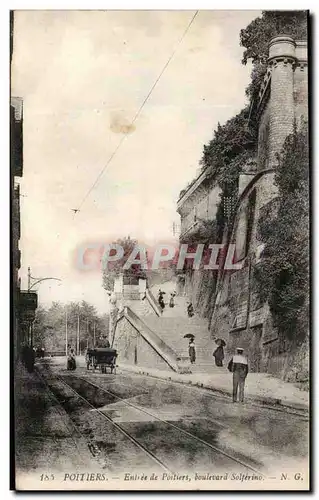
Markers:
{"x": 30, "y": 286}
{"x": 66, "y": 332}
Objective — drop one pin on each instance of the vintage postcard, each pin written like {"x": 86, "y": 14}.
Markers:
{"x": 160, "y": 250}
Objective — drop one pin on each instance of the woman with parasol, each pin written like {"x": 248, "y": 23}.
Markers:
{"x": 219, "y": 352}
{"x": 191, "y": 347}
{"x": 161, "y": 299}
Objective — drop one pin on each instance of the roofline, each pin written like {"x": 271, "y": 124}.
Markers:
{"x": 192, "y": 188}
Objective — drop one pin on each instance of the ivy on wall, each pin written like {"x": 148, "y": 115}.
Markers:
{"x": 282, "y": 275}
{"x": 232, "y": 147}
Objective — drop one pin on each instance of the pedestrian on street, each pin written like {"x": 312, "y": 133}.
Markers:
{"x": 219, "y": 355}
{"x": 238, "y": 365}
{"x": 71, "y": 364}
{"x": 28, "y": 357}
{"x": 191, "y": 351}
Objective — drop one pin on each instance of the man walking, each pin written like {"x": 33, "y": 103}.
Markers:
{"x": 238, "y": 365}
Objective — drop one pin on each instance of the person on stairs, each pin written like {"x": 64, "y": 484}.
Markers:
{"x": 171, "y": 300}
{"x": 190, "y": 310}
{"x": 161, "y": 299}
{"x": 219, "y": 355}
{"x": 238, "y": 365}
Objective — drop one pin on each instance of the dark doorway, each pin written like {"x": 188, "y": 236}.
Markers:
{"x": 135, "y": 355}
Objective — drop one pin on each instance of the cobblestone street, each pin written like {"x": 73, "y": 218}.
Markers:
{"x": 98, "y": 424}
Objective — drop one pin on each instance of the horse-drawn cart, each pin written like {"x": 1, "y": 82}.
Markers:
{"x": 101, "y": 358}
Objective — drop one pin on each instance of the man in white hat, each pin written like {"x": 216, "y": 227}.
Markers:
{"x": 238, "y": 365}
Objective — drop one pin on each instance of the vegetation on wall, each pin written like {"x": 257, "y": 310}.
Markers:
{"x": 282, "y": 276}
{"x": 232, "y": 147}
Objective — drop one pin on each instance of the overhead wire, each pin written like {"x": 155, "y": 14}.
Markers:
{"x": 96, "y": 181}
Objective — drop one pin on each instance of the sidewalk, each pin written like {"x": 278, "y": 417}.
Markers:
{"x": 46, "y": 441}
{"x": 260, "y": 387}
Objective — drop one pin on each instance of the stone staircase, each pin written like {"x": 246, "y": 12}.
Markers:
{"x": 170, "y": 326}
{"x": 174, "y": 324}
{"x": 141, "y": 307}
{"x": 172, "y": 331}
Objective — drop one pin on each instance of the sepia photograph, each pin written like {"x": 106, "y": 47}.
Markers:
{"x": 160, "y": 224}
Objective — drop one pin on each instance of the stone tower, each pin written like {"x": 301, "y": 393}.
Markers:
{"x": 282, "y": 62}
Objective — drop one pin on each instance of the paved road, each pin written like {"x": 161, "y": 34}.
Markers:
{"x": 253, "y": 435}
{"x": 135, "y": 424}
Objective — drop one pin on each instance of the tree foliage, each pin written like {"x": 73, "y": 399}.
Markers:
{"x": 282, "y": 276}
{"x": 111, "y": 270}
{"x": 224, "y": 157}
{"x": 50, "y": 325}
{"x": 234, "y": 144}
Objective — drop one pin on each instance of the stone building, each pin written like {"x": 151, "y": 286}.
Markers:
{"x": 16, "y": 160}
{"x": 238, "y": 316}
{"x": 23, "y": 303}
{"x": 197, "y": 207}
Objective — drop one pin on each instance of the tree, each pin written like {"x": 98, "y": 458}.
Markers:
{"x": 50, "y": 325}
{"x": 256, "y": 36}
{"x": 234, "y": 144}
{"x": 40, "y": 326}
{"x": 111, "y": 270}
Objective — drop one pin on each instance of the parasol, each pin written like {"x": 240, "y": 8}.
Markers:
{"x": 189, "y": 336}
{"x": 220, "y": 342}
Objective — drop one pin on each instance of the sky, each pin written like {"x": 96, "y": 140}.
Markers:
{"x": 83, "y": 76}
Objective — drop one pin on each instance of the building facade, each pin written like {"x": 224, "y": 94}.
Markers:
{"x": 16, "y": 160}
{"x": 197, "y": 207}
{"x": 237, "y": 313}
{"x": 24, "y": 303}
